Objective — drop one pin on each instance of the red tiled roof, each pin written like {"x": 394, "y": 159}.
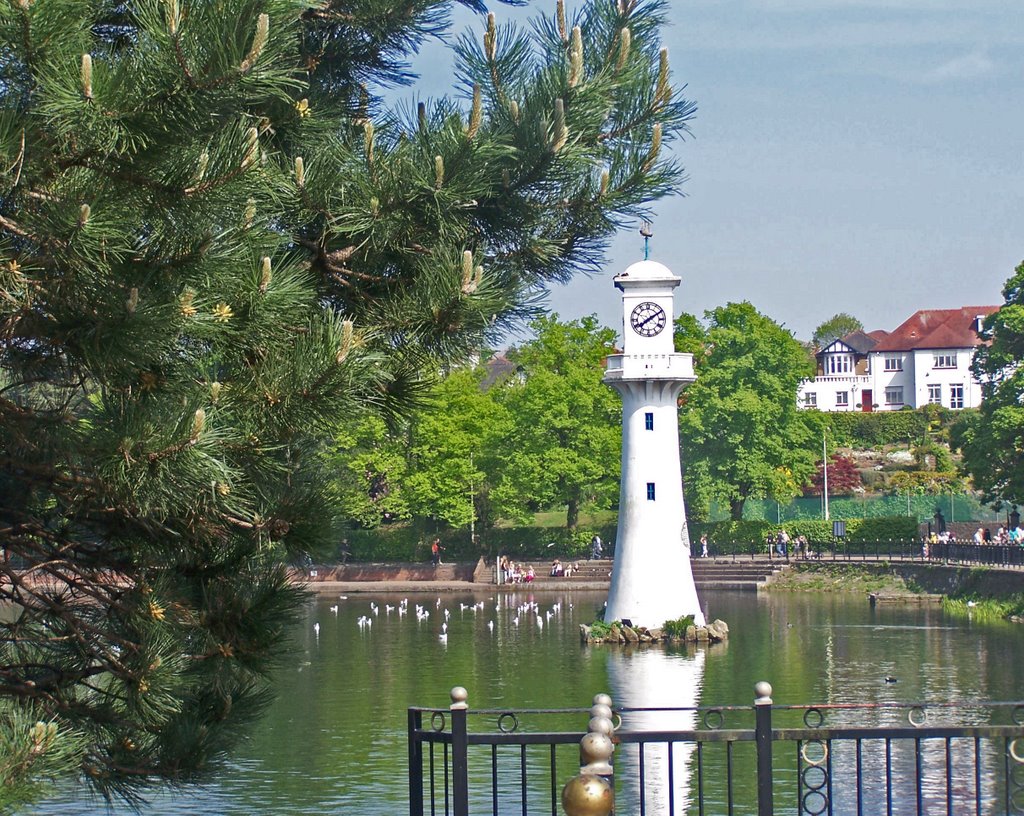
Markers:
{"x": 936, "y": 329}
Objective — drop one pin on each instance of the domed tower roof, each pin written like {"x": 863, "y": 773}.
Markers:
{"x": 648, "y": 269}
{"x": 649, "y": 272}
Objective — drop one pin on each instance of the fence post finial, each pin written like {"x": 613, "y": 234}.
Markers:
{"x": 591, "y": 792}
{"x": 588, "y": 795}
{"x": 763, "y": 743}
{"x": 459, "y": 697}
{"x": 460, "y": 751}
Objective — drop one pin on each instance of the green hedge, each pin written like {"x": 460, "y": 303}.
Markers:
{"x": 746, "y": 536}
{"x": 401, "y": 542}
{"x": 410, "y": 543}
{"x": 391, "y": 543}
{"x": 860, "y": 430}
{"x": 967, "y": 508}
{"x": 856, "y": 429}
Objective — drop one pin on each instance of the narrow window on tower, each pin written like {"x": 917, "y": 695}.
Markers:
{"x": 650, "y": 491}
{"x": 649, "y": 422}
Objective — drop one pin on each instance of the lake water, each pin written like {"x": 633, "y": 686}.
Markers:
{"x": 335, "y": 741}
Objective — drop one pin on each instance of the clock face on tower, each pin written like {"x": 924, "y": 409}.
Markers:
{"x": 647, "y": 319}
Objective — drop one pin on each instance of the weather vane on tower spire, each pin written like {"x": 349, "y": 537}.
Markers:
{"x": 647, "y": 232}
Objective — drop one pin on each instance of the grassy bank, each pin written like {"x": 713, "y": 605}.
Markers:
{"x": 815, "y": 577}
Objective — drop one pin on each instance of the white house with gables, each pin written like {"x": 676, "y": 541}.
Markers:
{"x": 927, "y": 359}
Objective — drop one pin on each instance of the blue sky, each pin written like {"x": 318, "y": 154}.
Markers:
{"x": 864, "y": 156}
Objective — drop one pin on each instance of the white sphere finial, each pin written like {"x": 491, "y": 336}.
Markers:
{"x": 459, "y": 697}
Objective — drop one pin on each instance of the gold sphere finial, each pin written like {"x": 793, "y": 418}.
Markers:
{"x": 601, "y": 710}
{"x": 587, "y": 795}
{"x": 596, "y": 750}
{"x": 601, "y": 725}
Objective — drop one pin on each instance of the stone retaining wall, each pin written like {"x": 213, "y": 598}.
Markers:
{"x": 387, "y": 572}
{"x": 931, "y": 578}
{"x": 950, "y": 579}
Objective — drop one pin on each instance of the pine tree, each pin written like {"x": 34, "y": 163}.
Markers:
{"x": 216, "y": 239}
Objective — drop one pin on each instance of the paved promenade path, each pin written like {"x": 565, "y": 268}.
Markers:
{"x": 437, "y": 587}
{"x": 723, "y": 573}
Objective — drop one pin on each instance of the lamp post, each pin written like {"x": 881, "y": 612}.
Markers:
{"x": 824, "y": 467}
{"x": 472, "y": 506}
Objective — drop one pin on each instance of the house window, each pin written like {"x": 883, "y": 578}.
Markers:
{"x": 649, "y": 422}
{"x": 842, "y": 399}
{"x": 893, "y": 363}
{"x": 935, "y": 395}
{"x": 956, "y": 396}
{"x": 945, "y": 361}
{"x": 838, "y": 364}
{"x": 894, "y": 395}
{"x": 811, "y": 399}
{"x": 650, "y": 491}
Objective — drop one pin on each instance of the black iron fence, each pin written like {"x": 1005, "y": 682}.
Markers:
{"x": 1000, "y": 555}
{"x": 870, "y": 760}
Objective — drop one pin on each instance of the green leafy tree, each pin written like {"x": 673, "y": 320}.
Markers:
{"x": 215, "y": 241}
{"x": 688, "y": 335}
{"x": 369, "y": 465}
{"x": 839, "y": 325}
{"x": 453, "y": 452}
{"x": 992, "y": 439}
{"x": 741, "y": 432}
{"x": 564, "y": 447}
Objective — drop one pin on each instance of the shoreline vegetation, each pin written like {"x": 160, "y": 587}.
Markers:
{"x": 894, "y": 587}
{"x": 987, "y": 609}
{"x": 682, "y": 630}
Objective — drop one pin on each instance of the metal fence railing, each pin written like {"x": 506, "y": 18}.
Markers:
{"x": 957, "y": 759}
{"x": 997, "y": 555}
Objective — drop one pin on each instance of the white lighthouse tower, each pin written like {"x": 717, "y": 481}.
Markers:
{"x": 651, "y": 580}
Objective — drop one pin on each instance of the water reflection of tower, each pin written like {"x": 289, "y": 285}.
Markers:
{"x": 652, "y": 581}
{"x": 654, "y": 679}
